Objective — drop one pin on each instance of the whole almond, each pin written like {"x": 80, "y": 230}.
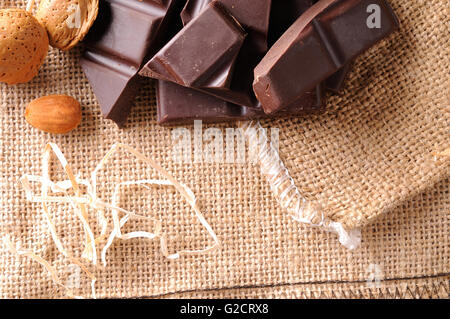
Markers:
{"x": 56, "y": 114}
{"x": 67, "y": 21}
{"x": 23, "y": 46}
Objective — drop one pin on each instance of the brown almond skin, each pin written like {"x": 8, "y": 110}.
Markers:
{"x": 57, "y": 114}
{"x": 23, "y": 46}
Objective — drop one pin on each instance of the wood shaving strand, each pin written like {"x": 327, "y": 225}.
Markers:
{"x": 13, "y": 248}
{"x": 79, "y": 202}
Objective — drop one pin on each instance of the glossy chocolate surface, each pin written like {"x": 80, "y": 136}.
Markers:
{"x": 203, "y": 54}
{"x": 181, "y": 105}
{"x": 253, "y": 16}
{"x": 125, "y": 34}
{"x": 323, "y": 40}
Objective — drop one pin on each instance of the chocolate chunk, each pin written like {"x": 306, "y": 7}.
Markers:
{"x": 254, "y": 17}
{"x": 114, "y": 83}
{"x": 179, "y": 105}
{"x": 336, "y": 82}
{"x": 203, "y": 54}
{"x": 283, "y": 15}
{"x": 125, "y": 35}
{"x": 193, "y": 9}
{"x": 182, "y": 105}
{"x": 325, "y": 38}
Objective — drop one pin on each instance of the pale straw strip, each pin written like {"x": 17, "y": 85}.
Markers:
{"x": 15, "y": 250}
{"x": 81, "y": 211}
{"x": 51, "y": 225}
{"x": 182, "y": 189}
{"x": 79, "y": 202}
{"x": 44, "y": 263}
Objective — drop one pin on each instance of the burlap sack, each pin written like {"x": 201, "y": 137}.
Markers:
{"x": 374, "y": 147}
{"x": 370, "y": 153}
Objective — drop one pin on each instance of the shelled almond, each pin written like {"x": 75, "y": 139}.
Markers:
{"x": 57, "y": 114}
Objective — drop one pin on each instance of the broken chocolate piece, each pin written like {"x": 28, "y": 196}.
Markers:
{"x": 181, "y": 105}
{"x": 203, "y": 54}
{"x": 193, "y": 9}
{"x": 254, "y": 17}
{"x": 325, "y": 38}
{"x": 125, "y": 34}
{"x": 336, "y": 82}
{"x": 283, "y": 15}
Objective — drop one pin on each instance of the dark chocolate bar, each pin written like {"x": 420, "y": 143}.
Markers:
{"x": 325, "y": 38}
{"x": 336, "y": 82}
{"x": 200, "y": 59}
{"x": 181, "y": 105}
{"x": 193, "y": 9}
{"x": 125, "y": 35}
{"x": 283, "y": 15}
{"x": 254, "y": 17}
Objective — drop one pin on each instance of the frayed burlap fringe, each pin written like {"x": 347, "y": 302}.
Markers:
{"x": 286, "y": 192}
{"x": 429, "y": 288}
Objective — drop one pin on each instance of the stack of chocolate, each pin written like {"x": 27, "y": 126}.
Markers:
{"x": 227, "y": 60}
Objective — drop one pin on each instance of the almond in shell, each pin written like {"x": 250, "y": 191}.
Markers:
{"x": 57, "y": 114}
{"x": 23, "y": 46}
{"x": 67, "y": 21}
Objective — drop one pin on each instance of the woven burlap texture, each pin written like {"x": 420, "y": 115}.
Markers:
{"x": 373, "y": 148}
{"x": 369, "y": 154}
